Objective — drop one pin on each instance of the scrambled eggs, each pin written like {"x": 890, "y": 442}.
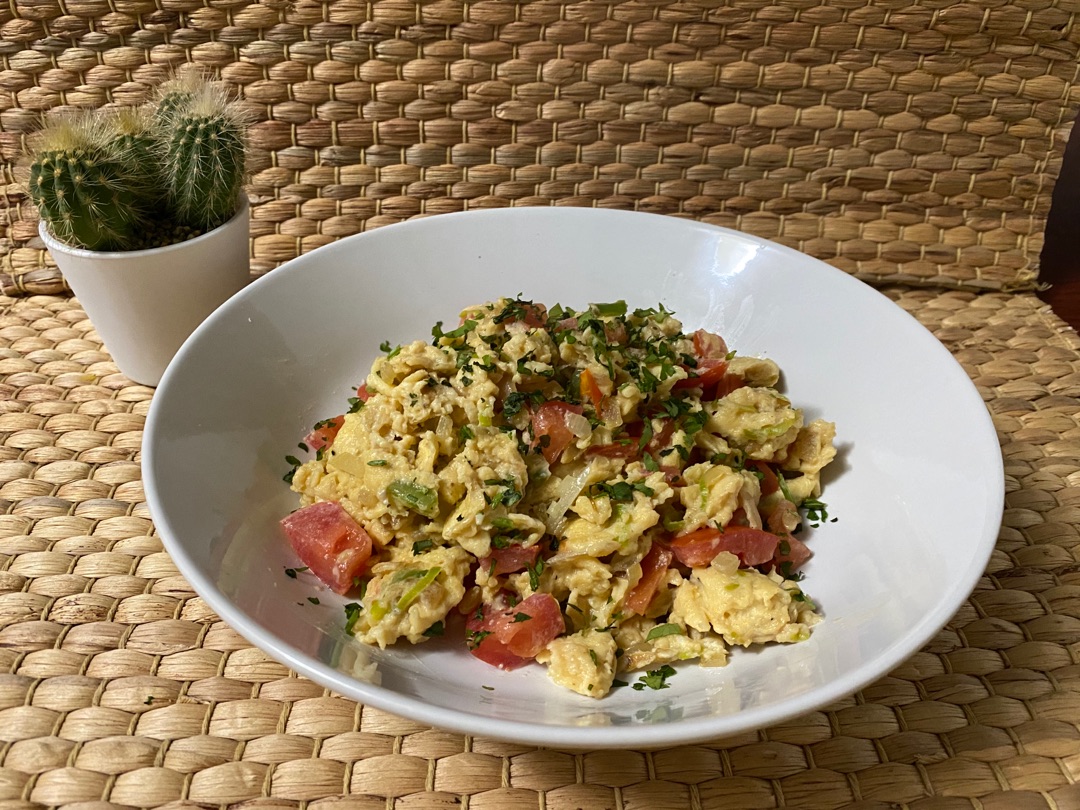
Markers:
{"x": 593, "y": 490}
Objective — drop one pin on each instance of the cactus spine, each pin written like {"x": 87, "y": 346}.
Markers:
{"x": 89, "y": 185}
{"x": 175, "y": 94}
{"x": 204, "y": 160}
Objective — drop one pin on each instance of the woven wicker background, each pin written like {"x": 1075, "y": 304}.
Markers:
{"x": 118, "y": 687}
{"x": 903, "y": 141}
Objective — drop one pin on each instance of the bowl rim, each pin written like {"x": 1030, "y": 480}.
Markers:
{"x": 682, "y": 732}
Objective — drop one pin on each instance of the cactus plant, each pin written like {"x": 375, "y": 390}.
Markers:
{"x": 175, "y": 94}
{"x": 204, "y": 160}
{"x": 130, "y": 179}
{"x": 89, "y": 184}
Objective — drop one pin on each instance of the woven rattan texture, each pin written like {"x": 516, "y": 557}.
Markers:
{"x": 912, "y": 141}
{"x": 120, "y": 686}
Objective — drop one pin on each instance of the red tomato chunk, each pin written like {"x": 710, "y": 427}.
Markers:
{"x": 653, "y": 568}
{"x": 508, "y": 637}
{"x": 510, "y": 560}
{"x": 751, "y": 546}
{"x": 324, "y": 433}
{"x": 329, "y": 542}
{"x": 550, "y": 420}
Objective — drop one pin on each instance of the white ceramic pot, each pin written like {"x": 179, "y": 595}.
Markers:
{"x": 145, "y": 303}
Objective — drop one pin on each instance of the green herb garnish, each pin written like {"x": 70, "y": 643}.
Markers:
{"x": 662, "y": 630}
{"x": 656, "y": 678}
{"x": 416, "y": 497}
{"x": 352, "y": 615}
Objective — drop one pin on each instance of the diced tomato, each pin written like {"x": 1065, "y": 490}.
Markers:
{"x": 483, "y": 642}
{"x": 615, "y": 333}
{"x": 661, "y": 440}
{"x": 729, "y": 383}
{"x": 711, "y": 352}
{"x": 324, "y": 433}
{"x": 751, "y": 546}
{"x": 329, "y": 542}
{"x": 797, "y": 552}
{"x": 672, "y": 475}
{"x": 591, "y": 389}
{"x": 510, "y": 560}
{"x": 627, "y": 449}
{"x": 707, "y": 374}
{"x": 535, "y": 315}
{"x": 362, "y": 393}
{"x": 550, "y": 420}
{"x": 528, "y": 636}
{"x": 769, "y": 482}
{"x": 708, "y": 346}
{"x": 508, "y": 637}
{"x": 653, "y": 568}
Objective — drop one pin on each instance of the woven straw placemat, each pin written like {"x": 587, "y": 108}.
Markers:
{"x": 907, "y": 141}
{"x": 120, "y": 687}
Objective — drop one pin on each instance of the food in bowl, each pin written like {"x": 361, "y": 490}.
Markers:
{"x": 594, "y": 490}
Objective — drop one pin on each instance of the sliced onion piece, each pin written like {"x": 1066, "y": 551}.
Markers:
{"x": 578, "y": 425}
{"x": 569, "y": 488}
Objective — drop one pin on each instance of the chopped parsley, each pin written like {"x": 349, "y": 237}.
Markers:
{"x": 292, "y": 572}
{"x": 295, "y": 462}
{"x": 535, "y": 570}
{"x": 521, "y": 617}
{"x": 461, "y": 331}
{"x": 435, "y": 630}
{"x": 378, "y": 462}
{"x": 420, "y": 546}
{"x": 508, "y": 494}
{"x": 662, "y": 630}
{"x": 816, "y": 510}
{"x": 656, "y": 678}
{"x": 616, "y": 309}
{"x": 475, "y": 637}
{"x": 515, "y": 401}
{"x": 390, "y": 352}
{"x": 313, "y": 599}
{"x": 352, "y": 615}
{"x": 621, "y": 491}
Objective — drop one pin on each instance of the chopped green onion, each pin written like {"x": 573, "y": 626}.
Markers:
{"x": 410, "y": 595}
{"x": 416, "y": 497}
{"x": 377, "y": 611}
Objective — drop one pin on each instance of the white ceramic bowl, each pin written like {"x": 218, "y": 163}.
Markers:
{"x": 917, "y": 487}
